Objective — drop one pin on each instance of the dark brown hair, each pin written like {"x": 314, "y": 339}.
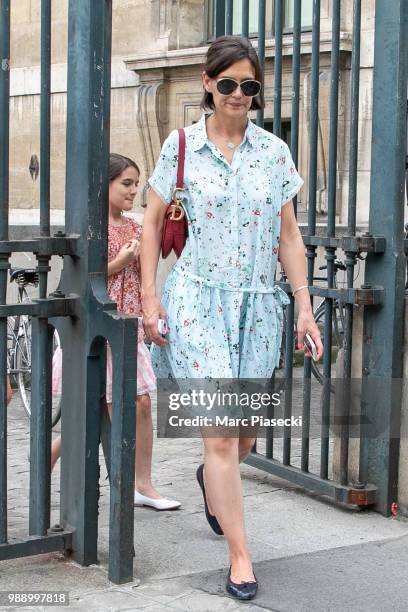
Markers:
{"x": 221, "y": 54}
{"x": 119, "y": 163}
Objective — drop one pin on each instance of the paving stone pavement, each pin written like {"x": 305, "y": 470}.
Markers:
{"x": 295, "y": 537}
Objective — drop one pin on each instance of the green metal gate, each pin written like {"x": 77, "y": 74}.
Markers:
{"x": 80, "y": 309}
{"x": 382, "y": 293}
{"x": 85, "y": 318}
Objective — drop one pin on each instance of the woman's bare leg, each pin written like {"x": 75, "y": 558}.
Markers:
{"x": 224, "y": 495}
{"x": 246, "y": 442}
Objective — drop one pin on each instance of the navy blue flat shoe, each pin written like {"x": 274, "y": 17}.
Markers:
{"x": 212, "y": 521}
{"x": 244, "y": 590}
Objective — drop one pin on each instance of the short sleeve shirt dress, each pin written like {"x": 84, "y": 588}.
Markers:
{"x": 224, "y": 309}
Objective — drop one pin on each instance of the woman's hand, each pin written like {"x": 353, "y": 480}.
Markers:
{"x": 307, "y": 325}
{"x": 152, "y": 312}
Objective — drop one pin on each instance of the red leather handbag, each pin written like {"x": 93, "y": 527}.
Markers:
{"x": 175, "y": 222}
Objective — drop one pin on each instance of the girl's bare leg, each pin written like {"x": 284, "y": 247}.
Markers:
{"x": 9, "y": 392}
{"x": 144, "y": 447}
{"x": 55, "y": 451}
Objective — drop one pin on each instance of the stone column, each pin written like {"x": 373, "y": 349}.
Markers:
{"x": 152, "y": 118}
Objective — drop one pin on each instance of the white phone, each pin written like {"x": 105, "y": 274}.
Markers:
{"x": 162, "y": 327}
{"x": 310, "y": 345}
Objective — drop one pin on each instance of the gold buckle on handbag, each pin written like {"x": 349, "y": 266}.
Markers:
{"x": 177, "y": 210}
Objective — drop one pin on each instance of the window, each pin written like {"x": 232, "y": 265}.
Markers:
{"x": 253, "y": 17}
{"x": 307, "y": 16}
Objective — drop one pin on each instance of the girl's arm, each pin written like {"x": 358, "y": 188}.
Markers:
{"x": 149, "y": 258}
{"x": 128, "y": 253}
{"x": 293, "y": 260}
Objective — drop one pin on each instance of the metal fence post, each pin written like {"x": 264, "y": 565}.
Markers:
{"x": 83, "y": 338}
{"x": 86, "y": 193}
{"x": 4, "y": 257}
{"x": 383, "y": 327}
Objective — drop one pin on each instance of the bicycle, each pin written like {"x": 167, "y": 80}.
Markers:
{"x": 338, "y": 319}
{"x": 19, "y": 344}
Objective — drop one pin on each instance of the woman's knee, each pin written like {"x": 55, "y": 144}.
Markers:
{"x": 222, "y": 447}
{"x": 245, "y": 447}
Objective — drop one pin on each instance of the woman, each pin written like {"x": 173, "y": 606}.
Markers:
{"x": 224, "y": 311}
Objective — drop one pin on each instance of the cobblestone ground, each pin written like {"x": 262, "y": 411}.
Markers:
{"x": 180, "y": 564}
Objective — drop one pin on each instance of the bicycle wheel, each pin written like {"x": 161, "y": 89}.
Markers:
{"x": 22, "y": 369}
{"x": 282, "y": 355}
{"x": 11, "y": 349}
{"x": 23, "y": 374}
{"x": 337, "y": 339}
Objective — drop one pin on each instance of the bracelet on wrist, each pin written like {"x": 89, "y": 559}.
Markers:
{"x": 299, "y": 289}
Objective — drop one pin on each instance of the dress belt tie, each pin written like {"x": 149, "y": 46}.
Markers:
{"x": 202, "y": 281}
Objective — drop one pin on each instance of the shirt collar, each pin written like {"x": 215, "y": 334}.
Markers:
{"x": 199, "y": 133}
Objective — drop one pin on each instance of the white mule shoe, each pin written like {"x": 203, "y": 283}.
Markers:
{"x": 157, "y": 504}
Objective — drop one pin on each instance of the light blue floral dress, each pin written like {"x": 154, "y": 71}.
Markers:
{"x": 224, "y": 310}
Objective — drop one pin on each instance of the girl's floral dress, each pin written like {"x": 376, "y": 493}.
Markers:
{"x": 124, "y": 289}
{"x": 224, "y": 309}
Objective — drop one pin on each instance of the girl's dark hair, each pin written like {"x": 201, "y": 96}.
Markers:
{"x": 221, "y": 54}
{"x": 119, "y": 163}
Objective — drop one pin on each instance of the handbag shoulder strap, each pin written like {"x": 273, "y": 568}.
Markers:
{"x": 181, "y": 157}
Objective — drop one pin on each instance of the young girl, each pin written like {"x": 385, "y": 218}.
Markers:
{"x": 124, "y": 289}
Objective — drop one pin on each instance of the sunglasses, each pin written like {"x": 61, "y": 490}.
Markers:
{"x": 249, "y": 88}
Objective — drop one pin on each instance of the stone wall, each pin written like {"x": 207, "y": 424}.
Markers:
{"x": 156, "y": 87}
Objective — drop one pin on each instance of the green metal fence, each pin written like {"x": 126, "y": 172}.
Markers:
{"x": 80, "y": 309}
{"x": 382, "y": 293}
{"x": 85, "y": 318}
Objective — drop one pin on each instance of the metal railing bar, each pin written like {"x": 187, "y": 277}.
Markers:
{"x": 351, "y": 229}
{"x": 340, "y": 493}
{"x": 122, "y": 466}
{"x": 45, "y": 125}
{"x": 355, "y": 98}
{"x": 314, "y": 119}
{"x": 4, "y": 258}
{"x": 294, "y": 143}
{"x": 4, "y": 116}
{"x": 219, "y": 18}
{"x": 40, "y": 427}
{"x": 47, "y": 246}
{"x": 245, "y": 18}
{"x": 47, "y": 308}
{"x": 229, "y": 15}
{"x": 311, "y": 249}
{"x": 290, "y": 319}
{"x": 261, "y": 51}
{"x": 331, "y": 225}
{"x": 277, "y": 112}
{"x": 53, "y": 542}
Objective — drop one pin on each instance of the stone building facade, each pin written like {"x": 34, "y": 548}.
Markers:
{"x": 158, "y": 50}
